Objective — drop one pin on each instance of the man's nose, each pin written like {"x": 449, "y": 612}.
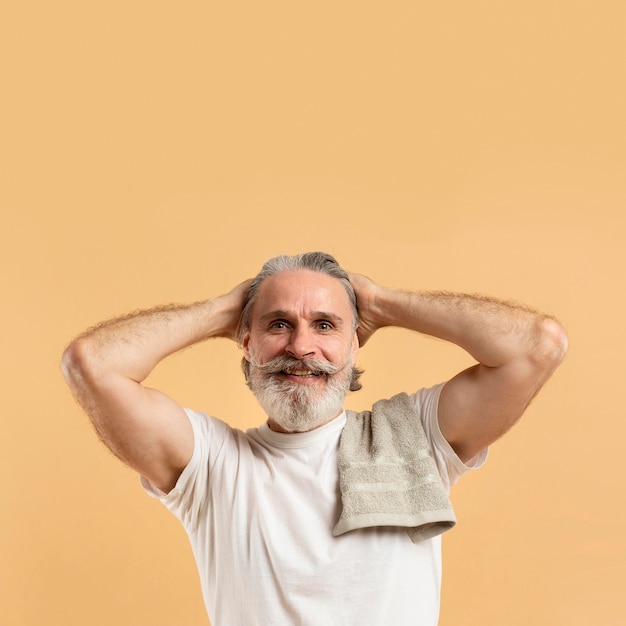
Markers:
{"x": 301, "y": 343}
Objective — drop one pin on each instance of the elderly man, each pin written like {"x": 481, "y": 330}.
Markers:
{"x": 262, "y": 507}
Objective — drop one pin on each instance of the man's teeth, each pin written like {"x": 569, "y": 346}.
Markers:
{"x": 296, "y": 372}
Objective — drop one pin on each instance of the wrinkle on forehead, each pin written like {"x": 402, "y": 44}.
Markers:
{"x": 304, "y": 292}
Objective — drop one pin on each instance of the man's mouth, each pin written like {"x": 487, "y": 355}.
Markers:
{"x": 303, "y": 369}
{"x": 300, "y": 372}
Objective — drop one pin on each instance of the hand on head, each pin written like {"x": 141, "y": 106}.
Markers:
{"x": 365, "y": 290}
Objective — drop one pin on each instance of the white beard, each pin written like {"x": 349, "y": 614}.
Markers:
{"x": 298, "y": 407}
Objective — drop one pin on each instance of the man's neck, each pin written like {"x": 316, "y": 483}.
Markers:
{"x": 279, "y": 429}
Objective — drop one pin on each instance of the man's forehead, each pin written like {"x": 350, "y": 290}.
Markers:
{"x": 303, "y": 288}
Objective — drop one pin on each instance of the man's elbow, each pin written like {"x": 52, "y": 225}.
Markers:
{"x": 552, "y": 344}
{"x": 77, "y": 363}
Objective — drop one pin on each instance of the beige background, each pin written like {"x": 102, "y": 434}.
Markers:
{"x": 156, "y": 151}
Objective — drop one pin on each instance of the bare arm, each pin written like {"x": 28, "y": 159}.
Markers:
{"x": 517, "y": 350}
{"x": 105, "y": 368}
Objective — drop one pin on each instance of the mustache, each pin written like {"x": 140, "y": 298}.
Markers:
{"x": 280, "y": 363}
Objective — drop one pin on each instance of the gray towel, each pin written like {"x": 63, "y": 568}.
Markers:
{"x": 387, "y": 474}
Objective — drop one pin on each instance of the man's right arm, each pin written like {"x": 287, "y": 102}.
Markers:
{"x": 106, "y": 366}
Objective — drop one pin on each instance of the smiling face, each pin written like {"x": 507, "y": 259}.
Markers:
{"x": 301, "y": 346}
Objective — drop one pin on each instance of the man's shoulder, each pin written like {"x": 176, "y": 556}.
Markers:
{"x": 208, "y": 427}
{"x": 422, "y": 400}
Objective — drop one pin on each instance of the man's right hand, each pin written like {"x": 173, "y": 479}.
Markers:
{"x": 234, "y": 301}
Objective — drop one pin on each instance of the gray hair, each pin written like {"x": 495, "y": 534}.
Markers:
{"x": 313, "y": 261}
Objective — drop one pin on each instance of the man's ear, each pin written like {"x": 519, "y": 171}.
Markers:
{"x": 355, "y": 347}
{"x": 245, "y": 345}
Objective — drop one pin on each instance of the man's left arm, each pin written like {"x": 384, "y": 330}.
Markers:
{"x": 516, "y": 349}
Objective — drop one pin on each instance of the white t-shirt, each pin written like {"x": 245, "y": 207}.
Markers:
{"x": 260, "y": 507}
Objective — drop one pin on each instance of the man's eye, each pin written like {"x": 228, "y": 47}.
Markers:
{"x": 324, "y": 326}
{"x": 278, "y": 325}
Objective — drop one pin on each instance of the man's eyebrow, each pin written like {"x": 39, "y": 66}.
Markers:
{"x": 278, "y": 313}
{"x": 325, "y": 315}
{"x": 283, "y": 314}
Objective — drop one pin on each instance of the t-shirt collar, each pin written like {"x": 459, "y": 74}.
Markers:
{"x": 302, "y": 440}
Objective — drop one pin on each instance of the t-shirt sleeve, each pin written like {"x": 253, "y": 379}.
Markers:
{"x": 449, "y": 464}
{"x": 189, "y": 496}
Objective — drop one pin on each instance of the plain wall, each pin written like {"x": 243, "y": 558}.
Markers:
{"x": 155, "y": 152}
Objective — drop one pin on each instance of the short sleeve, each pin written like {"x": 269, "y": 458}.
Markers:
{"x": 188, "y": 498}
{"x": 450, "y": 466}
